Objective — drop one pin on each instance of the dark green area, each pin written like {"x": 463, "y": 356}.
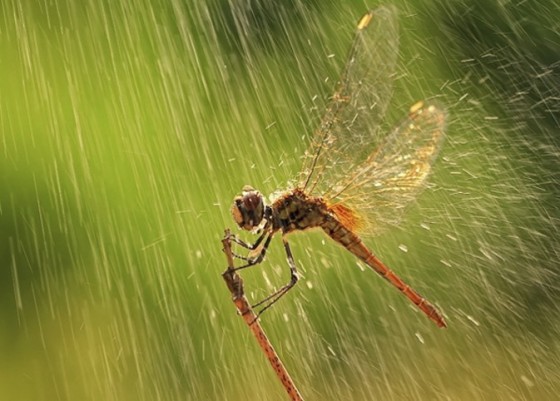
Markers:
{"x": 128, "y": 127}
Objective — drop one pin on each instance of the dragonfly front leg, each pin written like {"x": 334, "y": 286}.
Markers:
{"x": 251, "y": 261}
{"x": 294, "y": 277}
{"x": 246, "y": 245}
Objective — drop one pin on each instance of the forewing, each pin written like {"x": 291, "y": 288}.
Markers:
{"x": 393, "y": 175}
{"x": 350, "y": 125}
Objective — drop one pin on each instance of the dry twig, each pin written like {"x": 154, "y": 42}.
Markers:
{"x": 235, "y": 286}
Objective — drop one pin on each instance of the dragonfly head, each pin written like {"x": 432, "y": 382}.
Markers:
{"x": 248, "y": 208}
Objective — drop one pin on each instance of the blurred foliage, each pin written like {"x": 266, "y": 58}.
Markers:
{"x": 128, "y": 127}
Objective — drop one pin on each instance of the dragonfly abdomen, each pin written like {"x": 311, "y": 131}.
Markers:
{"x": 345, "y": 237}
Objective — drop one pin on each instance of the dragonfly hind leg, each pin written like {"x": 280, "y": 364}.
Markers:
{"x": 294, "y": 277}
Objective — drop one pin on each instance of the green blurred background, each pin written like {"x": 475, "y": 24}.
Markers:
{"x": 128, "y": 126}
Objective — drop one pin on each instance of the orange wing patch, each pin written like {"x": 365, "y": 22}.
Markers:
{"x": 347, "y": 216}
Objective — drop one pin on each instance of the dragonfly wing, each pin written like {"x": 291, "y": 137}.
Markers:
{"x": 393, "y": 175}
{"x": 351, "y": 122}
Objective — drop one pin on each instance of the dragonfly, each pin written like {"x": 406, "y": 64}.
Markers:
{"x": 355, "y": 180}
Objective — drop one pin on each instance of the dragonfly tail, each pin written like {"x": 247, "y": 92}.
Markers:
{"x": 354, "y": 244}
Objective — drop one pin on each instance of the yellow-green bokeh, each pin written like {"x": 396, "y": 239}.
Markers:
{"x": 127, "y": 128}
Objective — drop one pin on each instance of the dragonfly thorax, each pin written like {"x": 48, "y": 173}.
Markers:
{"x": 248, "y": 209}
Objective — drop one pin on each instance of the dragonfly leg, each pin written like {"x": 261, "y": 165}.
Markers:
{"x": 251, "y": 261}
{"x": 294, "y": 277}
{"x": 246, "y": 245}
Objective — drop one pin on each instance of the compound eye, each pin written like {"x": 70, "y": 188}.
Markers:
{"x": 252, "y": 201}
{"x": 248, "y": 209}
